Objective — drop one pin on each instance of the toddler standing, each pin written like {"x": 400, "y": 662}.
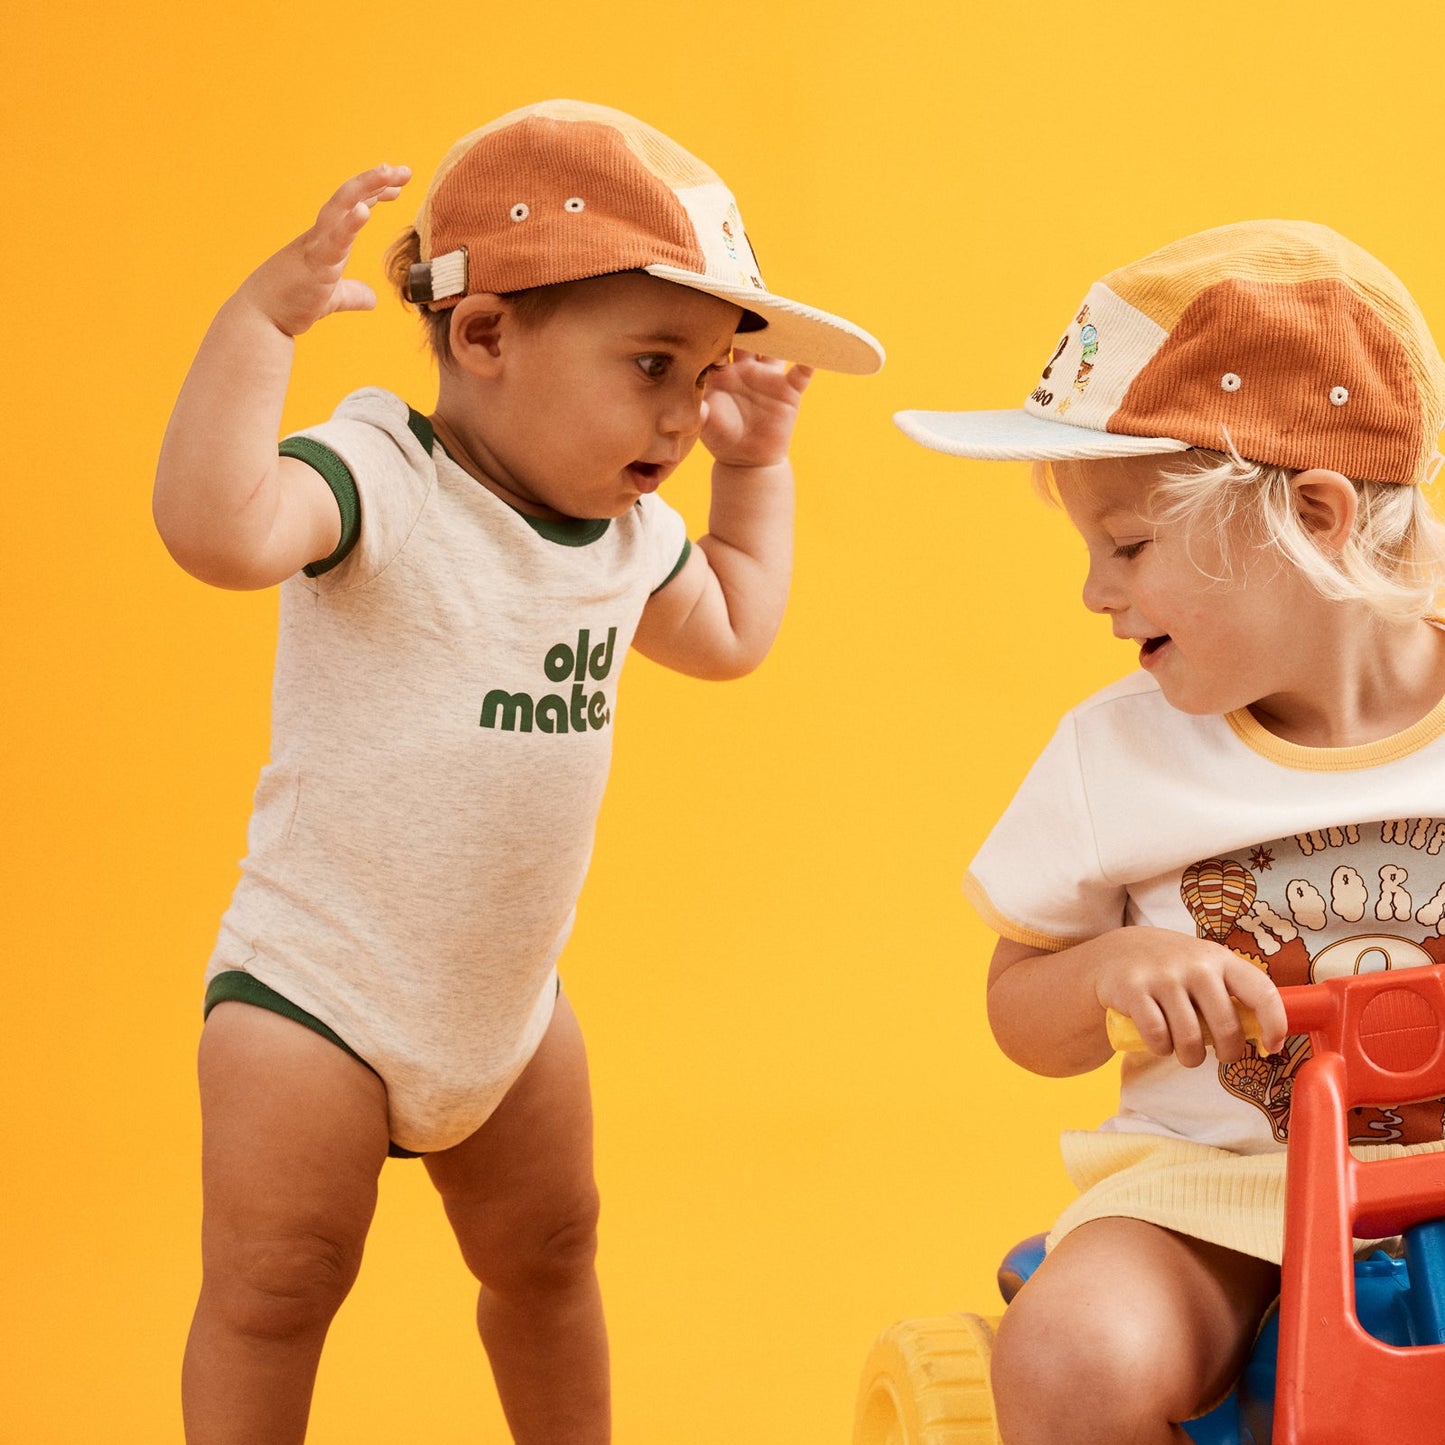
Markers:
{"x": 458, "y": 592}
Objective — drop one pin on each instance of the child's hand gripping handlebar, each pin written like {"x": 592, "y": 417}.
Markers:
{"x": 1125, "y": 1038}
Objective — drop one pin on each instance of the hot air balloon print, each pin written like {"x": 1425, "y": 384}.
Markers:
{"x": 1216, "y": 891}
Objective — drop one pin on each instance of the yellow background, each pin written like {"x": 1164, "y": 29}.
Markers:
{"x": 804, "y": 1130}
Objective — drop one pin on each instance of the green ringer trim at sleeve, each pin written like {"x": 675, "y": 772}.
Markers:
{"x": 1006, "y": 927}
{"x": 337, "y": 475}
{"x": 681, "y": 563}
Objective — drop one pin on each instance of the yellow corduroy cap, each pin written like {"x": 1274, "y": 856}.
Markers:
{"x": 564, "y": 190}
{"x": 1278, "y": 340}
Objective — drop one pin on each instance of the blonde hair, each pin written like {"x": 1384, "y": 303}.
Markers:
{"x": 1393, "y": 561}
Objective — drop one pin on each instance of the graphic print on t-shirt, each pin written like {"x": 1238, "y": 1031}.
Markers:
{"x": 1356, "y": 899}
{"x": 557, "y": 711}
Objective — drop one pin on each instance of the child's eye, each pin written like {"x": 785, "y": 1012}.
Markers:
{"x": 1127, "y": 551}
{"x": 654, "y": 366}
{"x": 707, "y": 371}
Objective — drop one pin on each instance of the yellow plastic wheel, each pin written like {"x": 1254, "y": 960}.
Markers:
{"x": 926, "y": 1383}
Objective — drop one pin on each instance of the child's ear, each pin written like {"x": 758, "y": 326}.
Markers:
{"x": 479, "y": 325}
{"x": 1327, "y": 504}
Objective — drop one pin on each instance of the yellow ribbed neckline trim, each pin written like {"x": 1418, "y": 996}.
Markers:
{"x": 1255, "y": 736}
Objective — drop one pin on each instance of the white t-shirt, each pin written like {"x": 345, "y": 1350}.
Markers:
{"x": 441, "y": 735}
{"x": 1312, "y": 861}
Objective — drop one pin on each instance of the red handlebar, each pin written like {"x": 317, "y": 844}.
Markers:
{"x": 1389, "y": 1028}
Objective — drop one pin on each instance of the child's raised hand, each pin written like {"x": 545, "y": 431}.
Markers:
{"x": 1170, "y": 984}
{"x": 303, "y": 281}
{"x": 750, "y": 409}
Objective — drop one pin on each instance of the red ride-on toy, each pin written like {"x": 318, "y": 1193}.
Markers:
{"x": 1360, "y": 1345}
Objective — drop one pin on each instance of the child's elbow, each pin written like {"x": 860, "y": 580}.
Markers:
{"x": 730, "y": 658}
{"x": 730, "y": 668}
{"x": 705, "y": 646}
{"x": 208, "y": 556}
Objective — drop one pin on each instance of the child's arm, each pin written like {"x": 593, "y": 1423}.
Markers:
{"x": 1047, "y": 1010}
{"x": 717, "y": 618}
{"x": 229, "y": 509}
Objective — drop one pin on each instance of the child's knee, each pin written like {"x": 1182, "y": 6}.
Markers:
{"x": 569, "y": 1251}
{"x": 281, "y": 1286}
{"x": 1085, "y": 1379}
{"x": 545, "y": 1250}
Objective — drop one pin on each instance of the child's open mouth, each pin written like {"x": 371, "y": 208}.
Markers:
{"x": 646, "y": 476}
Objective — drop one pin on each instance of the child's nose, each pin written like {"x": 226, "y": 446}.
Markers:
{"x": 1100, "y": 595}
{"x": 682, "y": 416}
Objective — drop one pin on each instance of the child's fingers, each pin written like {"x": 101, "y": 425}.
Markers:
{"x": 758, "y": 361}
{"x": 1186, "y": 1027}
{"x": 353, "y": 296}
{"x": 1220, "y": 1015}
{"x": 380, "y": 183}
{"x": 341, "y": 219}
{"x": 1256, "y": 990}
{"x": 796, "y": 372}
{"x": 1169, "y": 1011}
{"x": 1217, "y": 1004}
{"x": 1152, "y": 1026}
{"x": 763, "y": 376}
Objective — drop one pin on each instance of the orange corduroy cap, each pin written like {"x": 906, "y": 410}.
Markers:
{"x": 565, "y": 190}
{"x": 1278, "y": 340}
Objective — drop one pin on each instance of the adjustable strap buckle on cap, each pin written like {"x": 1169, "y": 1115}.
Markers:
{"x": 438, "y": 279}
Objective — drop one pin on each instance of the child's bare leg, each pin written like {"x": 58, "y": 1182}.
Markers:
{"x": 1125, "y": 1329}
{"x": 294, "y": 1134}
{"x": 521, "y": 1197}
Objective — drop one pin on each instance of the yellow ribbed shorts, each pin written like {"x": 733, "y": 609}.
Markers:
{"x": 1234, "y": 1200}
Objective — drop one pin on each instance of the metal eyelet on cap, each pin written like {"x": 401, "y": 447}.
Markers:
{"x": 520, "y": 211}
{"x": 574, "y": 204}
{"x": 1339, "y": 395}
{"x": 1230, "y": 381}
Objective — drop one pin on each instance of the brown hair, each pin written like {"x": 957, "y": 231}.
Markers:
{"x": 531, "y": 307}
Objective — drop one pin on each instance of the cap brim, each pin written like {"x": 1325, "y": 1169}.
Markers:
{"x": 793, "y": 332}
{"x": 1020, "y": 436}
